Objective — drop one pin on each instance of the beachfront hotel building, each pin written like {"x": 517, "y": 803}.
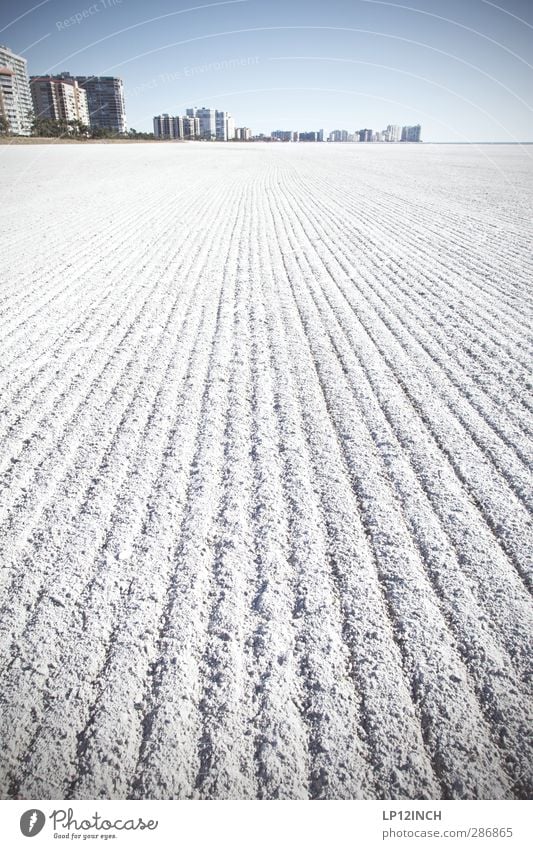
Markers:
{"x": 15, "y": 95}
{"x": 224, "y": 125}
{"x": 105, "y": 98}
{"x": 411, "y": 134}
{"x": 393, "y": 133}
{"x": 59, "y": 99}
{"x": 191, "y": 127}
{"x": 207, "y": 119}
{"x": 169, "y": 126}
{"x": 163, "y": 126}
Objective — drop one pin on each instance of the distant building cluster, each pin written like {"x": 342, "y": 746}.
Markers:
{"x": 96, "y": 103}
{"x": 93, "y": 101}
{"x": 393, "y": 133}
{"x": 291, "y": 135}
{"x": 205, "y": 124}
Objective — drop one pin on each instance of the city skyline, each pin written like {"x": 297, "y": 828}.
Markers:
{"x": 97, "y": 103}
{"x": 462, "y": 72}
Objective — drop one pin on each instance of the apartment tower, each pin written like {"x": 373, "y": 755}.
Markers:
{"x": 105, "y": 98}
{"x": 59, "y": 99}
{"x": 225, "y": 126}
{"x": 169, "y": 126}
{"x": 15, "y": 95}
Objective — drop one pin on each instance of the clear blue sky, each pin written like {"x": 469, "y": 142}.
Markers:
{"x": 298, "y": 64}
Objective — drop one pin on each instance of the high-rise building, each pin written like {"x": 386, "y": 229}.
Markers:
{"x": 282, "y": 135}
{"x": 365, "y": 135}
{"x": 163, "y": 128}
{"x": 243, "y": 133}
{"x": 392, "y": 133}
{"x": 207, "y": 119}
{"x": 59, "y": 99}
{"x": 411, "y": 134}
{"x": 15, "y": 95}
{"x": 309, "y": 136}
{"x": 169, "y": 126}
{"x": 230, "y": 126}
{"x": 105, "y": 97}
{"x": 191, "y": 127}
{"x": 225, "y": 126}
{"x": 177, "y": 127}
{"x": 221, "y": 125}
{"x": 338, "y": 136}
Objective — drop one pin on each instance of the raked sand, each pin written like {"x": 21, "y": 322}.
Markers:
{"x": 265, "y": 429}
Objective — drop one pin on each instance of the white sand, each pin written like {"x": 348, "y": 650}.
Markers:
{"x": 264, "y": 438}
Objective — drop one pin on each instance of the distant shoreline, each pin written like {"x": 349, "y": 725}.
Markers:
{"x": 31, "y": 140}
